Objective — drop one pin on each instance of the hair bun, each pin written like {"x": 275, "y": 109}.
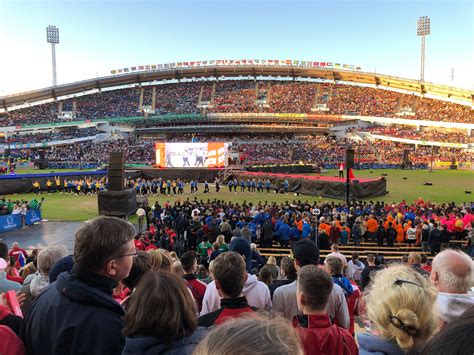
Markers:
{"x": 405, "y": 322}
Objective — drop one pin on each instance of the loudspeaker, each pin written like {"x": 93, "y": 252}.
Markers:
{"x": 117, "y": 203}
{"x": 350, "y": 158}
{"x": 115, "y": 173}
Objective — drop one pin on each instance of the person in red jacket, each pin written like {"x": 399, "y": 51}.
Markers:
{"x": 230, "y": 275}
{"x": 316, "y": 331}
{"x": 197, "y": 288}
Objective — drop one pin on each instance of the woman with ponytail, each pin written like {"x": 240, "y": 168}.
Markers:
{"x": 400, "y": 304}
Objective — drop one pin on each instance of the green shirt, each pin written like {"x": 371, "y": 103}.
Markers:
{"x": 202, "y": 248}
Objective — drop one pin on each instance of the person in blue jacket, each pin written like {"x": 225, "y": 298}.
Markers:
{"x": 77, "y": 314}
{"x": 306, "y": 232}
{"x": 284, "y": 233}
{"x": 230, "y": 184}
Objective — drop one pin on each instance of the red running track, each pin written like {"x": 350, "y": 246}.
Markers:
{"x": 306, "y": 177}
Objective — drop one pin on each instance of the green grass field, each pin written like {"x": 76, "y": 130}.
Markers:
{"x": 448, "y": 186}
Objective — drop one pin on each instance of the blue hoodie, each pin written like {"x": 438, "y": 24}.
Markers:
{"x": 371, "y": 345}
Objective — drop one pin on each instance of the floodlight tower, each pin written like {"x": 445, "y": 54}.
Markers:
{"x": 423, "y": 29}
{"x": 52, "y": 36}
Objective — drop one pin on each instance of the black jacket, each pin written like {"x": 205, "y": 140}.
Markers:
{"x": 148, "y": 345}
{"x": 75, "y": 315}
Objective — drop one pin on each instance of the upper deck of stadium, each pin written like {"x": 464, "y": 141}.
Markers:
{"x": 463, "y": 96}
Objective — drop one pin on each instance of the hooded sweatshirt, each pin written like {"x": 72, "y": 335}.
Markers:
{"x": 255, "y": 291}
{"x": 370, "y": 344}
{"x": 452, "y": 305}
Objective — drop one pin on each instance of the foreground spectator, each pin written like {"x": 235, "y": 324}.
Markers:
{"x": 350, "y": 289}
{"x": 197, "y": 288}
{"x": 78, "y": 315}
{"x": 369, "y": 272}
{"x": 284, "y": 298}
{"x": 455, "y": 338}
{"x": 254, "y": 336}
{"x": 256, "y": 292}
{"x": 46, "y": 259}
{"x": 229, "y": 278}
{"x": 288, "y": 274}
{"x": 317, "y": 333}
{"x": 401, "y": 306}
{"x": 6, "y": 285}
{"x": 452, "y": 275}
{"x": 161, "y": 317}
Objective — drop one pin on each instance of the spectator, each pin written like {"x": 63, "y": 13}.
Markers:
{"x": 414, "y": 261}
{"x": 355, "y": 268}
{"x": 452, "y": 275}
{"x": 229, "y": 279}
{"x": 455, "y": 338}
{"x": 253, "y": 335}
{"x": 46, "y": 259}
{"x": 351, "y": 290}
{"x": 316, "y": 331}
{"x": 160, "y": 260}
{"x": 197, "y": 288}
{"x": 15, "y": 251}
{"x": 288, "y": 274}
{"x": 401, "y": 307}
{"x": 266, "y": 275}
{"x": 161, "y": 317}
{"x": 6, "y": 285}
{"x": 284, "y": 298}
{"x": 103, "y": 255}
{"x": 335, "y": 252}
{"x": 368, "y": 272}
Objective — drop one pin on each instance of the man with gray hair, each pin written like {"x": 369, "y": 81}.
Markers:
{"x": 36, "y": 283}
{"x": 77, "y": 314}
{"x": 452, "y": 275}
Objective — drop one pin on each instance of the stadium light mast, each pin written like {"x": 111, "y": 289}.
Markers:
{"x": 52, "y": 36}
{"x": 423, "y": 29}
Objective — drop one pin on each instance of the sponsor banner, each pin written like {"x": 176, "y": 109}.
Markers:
{"x": 13, "y": 221}
{"x": 237, "y": 62}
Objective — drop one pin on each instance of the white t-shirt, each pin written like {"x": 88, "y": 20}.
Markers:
{"x": 140, "y": 212}
{"x": 411, "y": 233}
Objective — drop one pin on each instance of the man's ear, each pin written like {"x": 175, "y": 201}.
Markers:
{"x": 111, "y": 268}
{"x": 434, "y": 277}
{"x": 218, "y": 288}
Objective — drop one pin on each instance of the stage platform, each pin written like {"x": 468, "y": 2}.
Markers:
{"x": 324, "y": 186}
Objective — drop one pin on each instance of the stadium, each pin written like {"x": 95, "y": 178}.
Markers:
{"x": 195, "y": 206}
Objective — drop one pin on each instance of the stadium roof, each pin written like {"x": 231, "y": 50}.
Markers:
{"x": 294, "y": 72}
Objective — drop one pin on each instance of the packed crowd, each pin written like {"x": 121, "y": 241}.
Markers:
{"x": 20, "y": 207}
{"x": 50, "y": 136}
{"x": 193, "y": 282}
{"x": 243, "y": 96}
{"x": 408, "y": 132}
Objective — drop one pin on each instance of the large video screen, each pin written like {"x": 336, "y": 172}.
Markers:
{"x": 191, "y": 155}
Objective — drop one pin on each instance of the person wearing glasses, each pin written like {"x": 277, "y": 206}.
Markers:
{"x": 77, "y": 314}
{"x": 400, "y": 305}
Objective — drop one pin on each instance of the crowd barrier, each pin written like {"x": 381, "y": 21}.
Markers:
{"x": 13, "y": 221}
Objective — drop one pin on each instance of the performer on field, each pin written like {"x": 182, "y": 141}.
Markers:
{"x": 341, "y": 170}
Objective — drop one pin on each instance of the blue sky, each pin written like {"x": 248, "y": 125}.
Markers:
{"x": 97, "y": 36}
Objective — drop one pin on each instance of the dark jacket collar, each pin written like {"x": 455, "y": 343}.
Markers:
{"x": 237, "y": 302}
{"x": 312, "y": 321}
{"x": 102, "y": 283}
{"x": 189, "y": 277}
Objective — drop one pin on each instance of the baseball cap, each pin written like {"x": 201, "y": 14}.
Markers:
{"x": 306, "y": 252}
{"x": 3, "y": 264}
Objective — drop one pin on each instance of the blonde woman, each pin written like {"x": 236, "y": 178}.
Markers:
{"x": 222, "y": 244}
{"x": 273, "y": 267}
{"x": 160, "y": 260}
{"x": 400, "y": 304}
